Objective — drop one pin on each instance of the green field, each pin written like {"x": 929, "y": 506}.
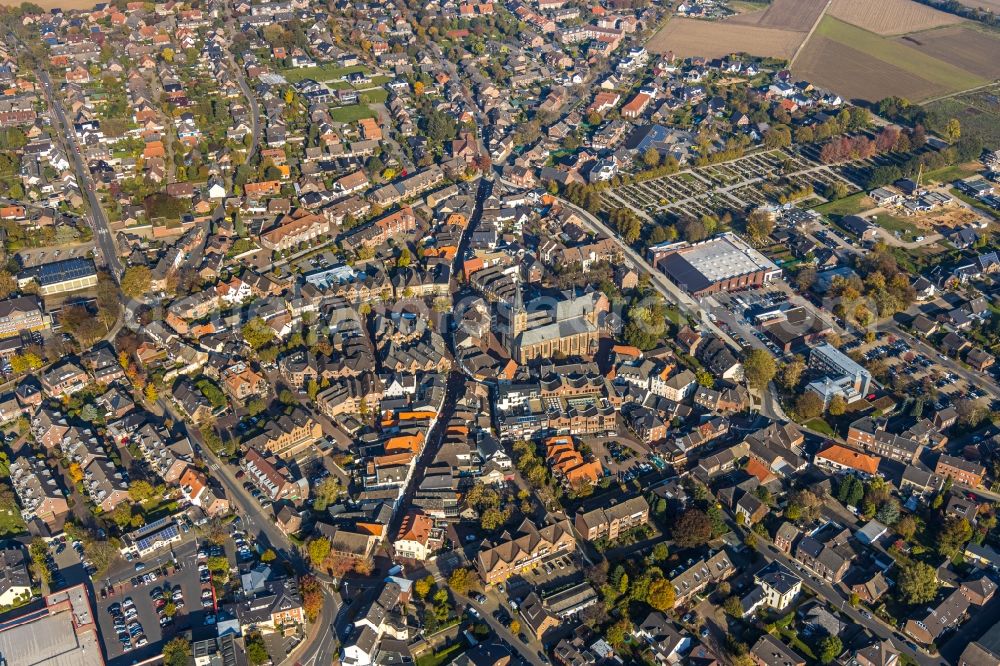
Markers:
{"x": 851, "y": 205}
{"x": 907, "y": 230}
{"x": 374, "y": 95}
{"x": 952, "y": 173}
{"x": 979, "y": 113}
{"x": 352, "y": 113}
{"x": 320, "y": 72}
{"x": 894, "y": 53}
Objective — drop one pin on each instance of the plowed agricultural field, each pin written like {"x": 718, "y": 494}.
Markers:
{"x": 859, "y": 64}
{"x": 855, "y": 75}
{"x": 714, "y": 39}
{"x": 797, "y": 15}
{"x": 890, "y": 17}
{"x": 972, "y": 50}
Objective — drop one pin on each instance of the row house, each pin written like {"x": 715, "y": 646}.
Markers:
{"x": 696, "y": 577}
{"x": 287, "y": 434}
{"x": 960, "y": 470}
{"x": 39, "y": 493}
{"x": 865, "y": 433}
{"x": 273, "y": 479}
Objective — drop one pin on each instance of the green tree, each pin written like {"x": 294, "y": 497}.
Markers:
{"x": 461, "y": 581}
{"x": 907, "y": 527}
{"x": 705, "y": 378}
{"x": 733, "y": 607}
{"x": 423, "y": 586}
{"x": 760, "y": 224}
{"x": 661, "y": 594}
{"x": 404, "y": 258}
{"x": 8, "y": 284}
{"x": 136, "y": 281}
{"x": 791, "y": 373}
{"x": 122, "y": 515}
{"x": 256, "y": 650}
{"x": 918, "y": 582}
{"x": 856, "y": 493}
{"x": 257, "y": 333}
{"x": 830, "y": 648}
{"x": 326, "y": 493}
{"x": 318, "y": 550}
{"x": 888, "y": 512}
{"x": 838, "y": 406}
{"x": 618, "y": 631}
{"x": 953, "y": 130}
{"x": 492, "y": 519}
{"x": 140, "y": 491}
{"x": 177, "y": 652}
{"x": 953, "y": 537}
{"x": 759, "y": 368}
{"x": 808, "y": 406}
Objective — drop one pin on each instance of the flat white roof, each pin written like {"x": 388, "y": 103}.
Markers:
{"x": 726, "y": 256}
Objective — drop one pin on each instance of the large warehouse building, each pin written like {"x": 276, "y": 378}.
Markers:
{"x": 722, "y": 263}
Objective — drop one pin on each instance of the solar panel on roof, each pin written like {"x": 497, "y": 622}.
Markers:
{"x": 62, "y": 271}
{"x": 149, "y": 542}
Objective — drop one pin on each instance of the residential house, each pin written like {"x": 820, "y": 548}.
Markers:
{"x": 609, "y": 522}
{"x": 524, "y": 549}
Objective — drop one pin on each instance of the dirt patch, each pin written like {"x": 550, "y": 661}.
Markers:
{"x": 890, "y": 17}
{"x": 857, "y": 75}
{"x": 969, "y": 49}
{"x": 714, "y": 39}
{"x": 951, "y": 217}
{"x": 796, "y": 15}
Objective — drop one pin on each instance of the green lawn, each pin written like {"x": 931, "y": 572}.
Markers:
{"x": 952, "y": 173}
{"x": 373, "y": 96}
{"x": 906, "y": 229}
{"x": 819, "y": 425}
{"x": 320, "y": 72}
{"x": 11, "y": 523}
{"x": 895, "y": 53}
{"x": 352, "y": 113}
{"x": 851, "y": 205}
{"x": 441, "y": 657}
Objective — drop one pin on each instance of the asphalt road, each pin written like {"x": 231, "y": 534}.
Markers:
{"x": 839, "y": 602}
{"x": 102, "y": 230}
{"x": 318, "y": 644}
{"x": 255, "y": 123}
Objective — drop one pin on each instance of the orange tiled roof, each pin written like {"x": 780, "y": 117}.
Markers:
{"x": 851, "y": 458}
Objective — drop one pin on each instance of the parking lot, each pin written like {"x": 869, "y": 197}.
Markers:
{"x": 917, "y": 372}
{"x": 36, "y": 256}
{"x": 137, "y": 608}
{"x": 318, "y": 261}
{"x": 621, "y": 457}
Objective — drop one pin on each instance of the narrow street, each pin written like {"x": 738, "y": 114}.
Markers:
{"x": 255, "y": 521}
{"x": 839, "y": 602}
{"x": 102, "y": 229}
